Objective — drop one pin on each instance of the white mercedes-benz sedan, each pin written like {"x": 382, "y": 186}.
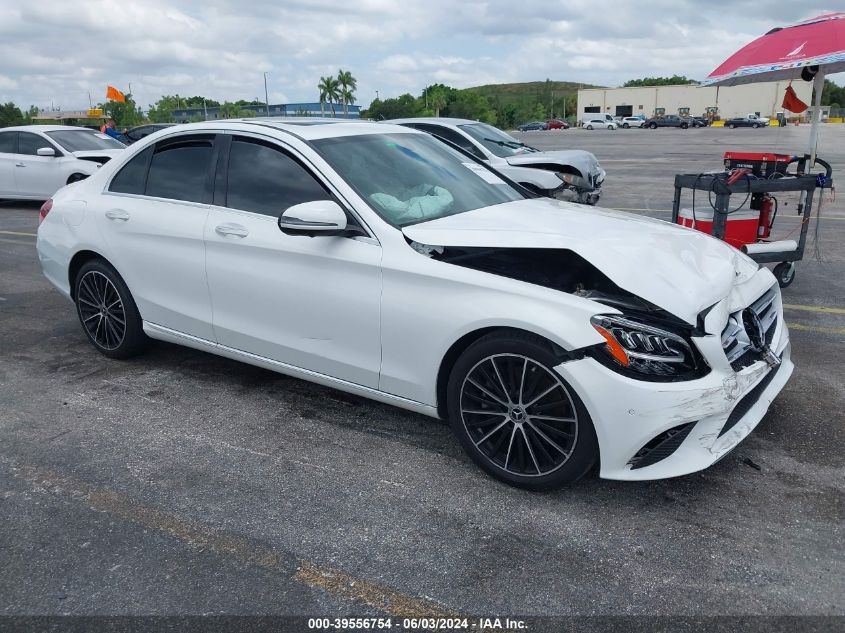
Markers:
{"x": 38, "y": 160}
{"x": 377, "y": 260}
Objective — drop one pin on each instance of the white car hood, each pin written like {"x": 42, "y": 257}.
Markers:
{"x": 96, "y": 153}
{"x": 585, "y": 162}
{"x": 680, "y": 270}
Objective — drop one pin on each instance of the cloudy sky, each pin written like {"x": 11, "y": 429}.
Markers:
{"x": 59, "y": 51}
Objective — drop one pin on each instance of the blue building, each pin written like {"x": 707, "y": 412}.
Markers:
{"x": 186, "y": 115}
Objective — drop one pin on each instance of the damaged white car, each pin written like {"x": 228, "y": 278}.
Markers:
{"x": 571, "y": 174}
{"x": 380, "y": 261}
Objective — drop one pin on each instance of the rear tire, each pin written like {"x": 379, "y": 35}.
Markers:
{"x": 684, "y": 126}
{"x": 731, "y": 126}
{"x": 515, "y": 417}
{"x": 107, "y": 311}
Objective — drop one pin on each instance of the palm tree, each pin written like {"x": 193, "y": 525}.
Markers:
{"x": 438, "y": 100}
{"x": 348, "y": 86}
{"x": 329, "y": 91}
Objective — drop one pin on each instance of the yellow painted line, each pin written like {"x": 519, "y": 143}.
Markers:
{"x": 824, "y": 309}
{"x": 204, "y": 537}
{"x": 18, "y": 233}
{"x": 816, "y": 328}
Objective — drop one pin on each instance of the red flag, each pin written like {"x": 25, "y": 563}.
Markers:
{"x": 791, "y": 101}
{"x": 114, "y": 94}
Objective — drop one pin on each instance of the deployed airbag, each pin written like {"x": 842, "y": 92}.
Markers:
{"x": 414, "y": 203}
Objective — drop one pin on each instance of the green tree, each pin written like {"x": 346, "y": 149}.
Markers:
{"x": 125, "y": 113}
{"x": 347, "y": 85}
{"x": 401, "y": 107}
{"x": 10, "y": 114}
{"x": 674, "y": 80}
{"x": 329, "y": 88}
{"x": 468, "y": 104}
{"x": 229, "y": 110}
{"x": 437, "y": 96}
{"x": 833, "y": 95}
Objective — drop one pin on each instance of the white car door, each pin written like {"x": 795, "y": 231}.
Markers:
{"x": 37, "y": 176}
{"x": 152, "y": 217}
{"x": 309, "y": 302}
{"x": 8, "y": 157}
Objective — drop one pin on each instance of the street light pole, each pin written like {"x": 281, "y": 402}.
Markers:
{"x": 266, "y": 98}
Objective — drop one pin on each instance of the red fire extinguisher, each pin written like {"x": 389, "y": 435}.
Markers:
{"x": 767, "y": 211}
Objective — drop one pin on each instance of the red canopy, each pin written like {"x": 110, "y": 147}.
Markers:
{"x": 782, "y": 53}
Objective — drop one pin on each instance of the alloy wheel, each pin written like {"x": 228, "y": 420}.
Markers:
{"x": 519, "y": 415}
{"x": 101, "y": 310}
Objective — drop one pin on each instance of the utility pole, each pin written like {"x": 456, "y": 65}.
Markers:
{"x": 266, "y": 98}
{"x": 204, "y": 109}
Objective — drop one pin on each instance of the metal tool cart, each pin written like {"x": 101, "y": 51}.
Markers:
{"x": 755, "y": 177}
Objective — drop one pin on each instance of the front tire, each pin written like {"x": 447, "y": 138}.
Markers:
{"x": 515, "y": 417}
{"x": 625, "y": 125}
{"x": 107, "y": 311}
{"x": 589, "y": 127}
{"x": 653, "y": 126}
{"x": 785, "y": 273}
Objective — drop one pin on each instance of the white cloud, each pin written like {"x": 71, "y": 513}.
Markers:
{"x": 52, "y": 50}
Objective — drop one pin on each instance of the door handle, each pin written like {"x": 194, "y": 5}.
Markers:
{"x": 231, "y": 230}
{"x": 119, "y": 215}
{"x": 19, "y": 165}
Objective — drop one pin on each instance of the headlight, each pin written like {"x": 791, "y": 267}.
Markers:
{"x": 567, "y": 178}
{"x": 644, "y": 351}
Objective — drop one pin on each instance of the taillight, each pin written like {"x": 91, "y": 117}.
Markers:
{"x": 45, "y": 209}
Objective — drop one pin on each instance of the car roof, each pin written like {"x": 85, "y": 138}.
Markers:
{"x": 44, "y": 128}
{"x": 306, "y": 128}
{"x": 432, "y": 119}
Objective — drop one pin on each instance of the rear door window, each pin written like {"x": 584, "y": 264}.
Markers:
{"x": 7, "y": 142}
{"x": 180, "y": 169}
{"x": 132, "y": 177}
{"x": 452, "y": 136}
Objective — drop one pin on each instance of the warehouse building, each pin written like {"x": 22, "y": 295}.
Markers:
{"x": 763, "y": 99}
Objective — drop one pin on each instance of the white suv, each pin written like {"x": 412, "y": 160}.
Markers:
{"x": 631, "y": 121}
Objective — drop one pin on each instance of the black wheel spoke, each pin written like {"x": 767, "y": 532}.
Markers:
{"x": 519, "y": 414}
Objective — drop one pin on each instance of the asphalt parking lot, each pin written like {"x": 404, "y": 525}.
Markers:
{"x": 180, "y": 482}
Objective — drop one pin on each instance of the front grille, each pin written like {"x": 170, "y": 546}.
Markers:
{"x": 661, "y": 446}
{"x": 739, "y": 337}
{"x": 749, "y": 400}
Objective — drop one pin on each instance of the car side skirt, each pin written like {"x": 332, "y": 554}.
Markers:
{"x": 179, "y": 338}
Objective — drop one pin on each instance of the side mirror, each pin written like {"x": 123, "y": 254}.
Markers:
{"x": 319, "y": 217}
{"x": 45, "y": 151}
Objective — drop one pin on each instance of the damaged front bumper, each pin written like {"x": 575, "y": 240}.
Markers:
{"x": 650, "y": 430}
{"x": 580, "y": 189}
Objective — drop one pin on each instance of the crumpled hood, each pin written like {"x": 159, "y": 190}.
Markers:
{"x": 98, "y": 153}
{"x": 680, "y": 270}
{"x": 585, "y": 162}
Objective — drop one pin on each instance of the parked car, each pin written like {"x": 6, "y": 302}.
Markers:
{"x": 557, "y": 174}
{"x": 137, "y": 133}
{"x": 670, "y": 120}
{"x": 557, "y": 124}
{"x": 749, "y": 120}
{"x": 631, "y": 121}
{"x": 533, "y": 125}
{"x": 37, "y": 160}
{"x": 598, "y": 120}
{"x": 600, "y": 124}
{"x": 374, "y": 259}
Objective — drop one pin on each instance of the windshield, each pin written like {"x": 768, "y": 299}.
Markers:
{"x": 410, "y": 178}
{"x": 499, "y": 143}
{"x": 83, "y": 140}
